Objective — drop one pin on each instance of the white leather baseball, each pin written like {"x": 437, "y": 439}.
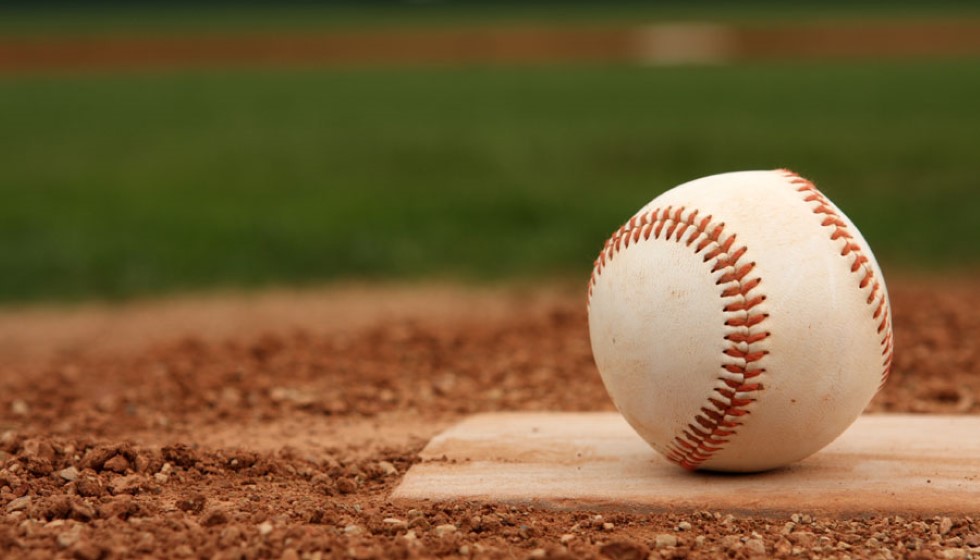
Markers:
{"x": 740, "y": 321}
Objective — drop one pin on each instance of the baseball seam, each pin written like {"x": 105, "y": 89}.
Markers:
{"x": 737, "y": 387}
{"x": 861, "y": 265}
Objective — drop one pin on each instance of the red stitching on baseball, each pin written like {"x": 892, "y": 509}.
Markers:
{"x": 718, "y": 420}
{"x": 860, "y": 264}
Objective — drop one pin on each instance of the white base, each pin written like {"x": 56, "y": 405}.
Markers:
{"x": 883, "y": 463}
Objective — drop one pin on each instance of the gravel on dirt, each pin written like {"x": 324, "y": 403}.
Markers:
{"x": 283, "y": 439}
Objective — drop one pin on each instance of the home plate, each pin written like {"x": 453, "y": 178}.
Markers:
{"x": 885, "y": 463}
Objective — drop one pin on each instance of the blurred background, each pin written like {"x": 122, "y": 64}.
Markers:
{"x": 151, "y": 148}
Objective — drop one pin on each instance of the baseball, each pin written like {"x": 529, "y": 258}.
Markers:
{"x": 740, "y": 321}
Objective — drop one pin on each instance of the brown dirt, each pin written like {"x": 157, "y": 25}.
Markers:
{"x": 275, "y": 426}
{"x": 654, "y": 43}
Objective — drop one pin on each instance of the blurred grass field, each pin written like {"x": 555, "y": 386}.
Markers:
{"x": 82, "y": 18}
{"x": 122, "y": 185}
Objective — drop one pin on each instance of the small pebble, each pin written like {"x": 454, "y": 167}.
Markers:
{"x": 19, "y": 504}
{"x": 395, "y": 522}
{"x": 664, "y": 540}
{"x": 683, "y": 526}
{"x": 755, "y": 546}
{"x": 444, "y": 529}
{"x": 566, "y": 538}
{"x": 387, "y": 468}
{"x": 538, "y": 553}
{"x": 731, "y": 542}
{"x": 608, "y": 526}
{"x": 353, "y": 530}
{"x": 265, "y": 528}
{"x": 19, "y": 408}
{"x": 69, "y": 474}
{"x": 68, "y": 538}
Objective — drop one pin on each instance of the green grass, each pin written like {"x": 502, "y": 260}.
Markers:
{"x": 115, "y": 186}
{"x": 92, "y": 18}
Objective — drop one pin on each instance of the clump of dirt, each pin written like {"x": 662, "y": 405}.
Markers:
{"x": 285, "y": 441}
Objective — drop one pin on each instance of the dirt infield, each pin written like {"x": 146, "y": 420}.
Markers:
{"x": 275, "y": 426}
{"x": 663, "y": 43}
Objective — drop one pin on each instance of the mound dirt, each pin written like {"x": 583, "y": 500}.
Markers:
{"x": 276, "y": 426}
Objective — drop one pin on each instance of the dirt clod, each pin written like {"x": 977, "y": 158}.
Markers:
{"x": 214, "y": 517}
{"x": 193, "y": 503}
{"x": 117, "y": 464}
{"x": 89, "y": 487}
{"x": 623, "y": 550}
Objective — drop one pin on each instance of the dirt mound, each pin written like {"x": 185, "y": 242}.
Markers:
{"x": 279, "y": 433}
